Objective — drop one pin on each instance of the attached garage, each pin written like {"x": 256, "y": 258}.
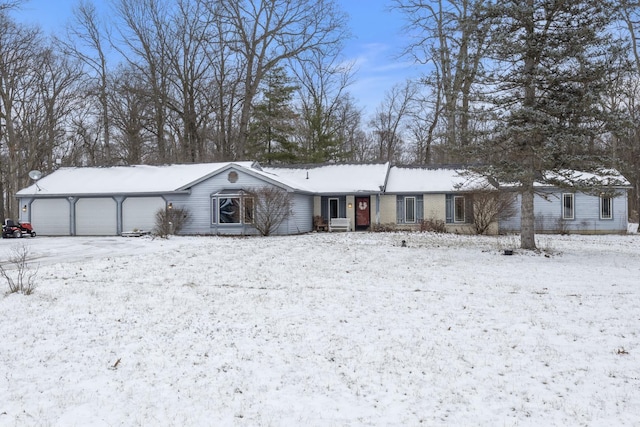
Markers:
{"x": 51, "y": 217}
{"x": 118, "y": 200}
{"x": 96, "y": 217}
{"x": 139, "y": 213}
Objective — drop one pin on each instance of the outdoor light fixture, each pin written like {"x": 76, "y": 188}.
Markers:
{"x": 170, "y": 206}
{"x": 24, "y": 208}
{"x": 350, "y": 205}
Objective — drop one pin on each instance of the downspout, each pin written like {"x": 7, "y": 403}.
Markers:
{"x": 383, "y": 189}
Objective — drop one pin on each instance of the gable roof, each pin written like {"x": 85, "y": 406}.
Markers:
{"x": 139, "y": 179}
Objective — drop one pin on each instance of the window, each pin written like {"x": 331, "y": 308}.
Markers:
{"x": 409, "y": 209}
{"x": 567, "y": 206}
{"x": 333, "y": 208}
{"x": 232, "y": 209}
{"x": 249, "y": 211}
{"x": 458, "y": 209}
{"x": 606, "y": 207}
{"x": 229, "y": 210}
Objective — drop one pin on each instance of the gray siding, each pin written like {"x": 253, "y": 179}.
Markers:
{"x": 199, "y": 205}
{"x": 301, "y": 219}
{"x": 548, "y": 215}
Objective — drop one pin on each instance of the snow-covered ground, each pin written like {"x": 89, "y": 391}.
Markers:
{"x": 342, "y": 329}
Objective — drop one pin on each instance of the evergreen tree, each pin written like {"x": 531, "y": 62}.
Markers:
{"x": 550, "y": 62}
{"x": 270, "y": 136}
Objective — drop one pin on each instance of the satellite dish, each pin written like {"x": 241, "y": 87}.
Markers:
{"x": 35, "y": 175}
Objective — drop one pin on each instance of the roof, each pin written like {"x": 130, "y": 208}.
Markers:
{"x": 336, "y": 179}
{"x": 139, "y": 179}
{"x": 431, "y": 180}
{"x": 316, "y": 179}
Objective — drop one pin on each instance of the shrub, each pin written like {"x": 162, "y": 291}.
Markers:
{"x": 25, "y": 278}
{"x": 490, "y": 205}
{"x": 384, "y": 228}
{"x": 433, "y": 225}
{"x": 170, "y": 221}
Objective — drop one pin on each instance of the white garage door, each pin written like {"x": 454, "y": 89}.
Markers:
{"x": 139, "y": 213}
{"x": 51, "y": 217}
{"x": 96, "y": 217}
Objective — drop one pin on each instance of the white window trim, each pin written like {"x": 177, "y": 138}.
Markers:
{"x": 215, "y": 210}
{"x": 406, "y": 220}
{"x": 573, "y": 206}
{"x": 610, "y": 199}
{"x": 464, "y": 210}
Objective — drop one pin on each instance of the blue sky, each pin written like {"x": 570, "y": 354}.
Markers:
{"x": 375, "y": 46}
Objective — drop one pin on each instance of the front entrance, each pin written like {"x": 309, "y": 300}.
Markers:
{"x": 363, "y": 213}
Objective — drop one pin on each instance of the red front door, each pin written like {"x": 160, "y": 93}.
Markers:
{"x": 363, "y": 212}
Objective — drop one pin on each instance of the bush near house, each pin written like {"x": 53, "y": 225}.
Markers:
{"x": 272, "y": 206}
{"x": 170, "y": 221}
{"x": 489, "y": 206}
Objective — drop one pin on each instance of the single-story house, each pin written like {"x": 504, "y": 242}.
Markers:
{"x": 342, "y": 191}
{"x": 218, "y": 196}
{"x": 113, "y": 200}
{"x": 434, "y": 194}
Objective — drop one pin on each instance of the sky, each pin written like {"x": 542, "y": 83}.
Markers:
{"x": 375, "y": 46}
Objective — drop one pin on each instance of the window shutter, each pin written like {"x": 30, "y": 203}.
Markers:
{"x": 449, "y": 208}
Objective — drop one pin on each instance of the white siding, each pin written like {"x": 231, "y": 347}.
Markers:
{"x": 51, "y": 217}
{"x": 96, "y": 217}
{"x": 139, "y": 213}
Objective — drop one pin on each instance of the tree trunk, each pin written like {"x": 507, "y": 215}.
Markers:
{"x": 527, "y": 218}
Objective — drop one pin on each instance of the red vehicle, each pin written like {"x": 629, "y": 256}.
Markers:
{"x": 11, "y": 228}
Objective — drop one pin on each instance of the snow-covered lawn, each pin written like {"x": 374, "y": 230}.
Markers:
{"x": 323, "y": 330}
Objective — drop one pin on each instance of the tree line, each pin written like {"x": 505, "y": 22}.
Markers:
{"x": 519, "y": 86}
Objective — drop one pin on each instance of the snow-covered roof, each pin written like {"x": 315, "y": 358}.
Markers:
{"x": 336, "y": 179}
{"x": 607, "y": 177}
{"x": 323, "y": 179}
{"x": 431, "y": 180}
{"x": 125, "y": 179}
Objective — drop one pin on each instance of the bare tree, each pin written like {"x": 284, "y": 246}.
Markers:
{"x": 190, "y": 74}
{"x": 132, "y": 113}
{"x": 20, "y": 49}
{"x": 143, "y": 30}
{"x": 451, "y": 37}
{"x": 266, "y": 33}
{"x": 388, "y": 121}
{"x": 324, "y": 106}
{"x": 10, "y": 4}
{"x": 87, "y": 40}
{"x": 489, "y": 206}
{"x": 272, "y": 205}
{"x": 624, "y": 99}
